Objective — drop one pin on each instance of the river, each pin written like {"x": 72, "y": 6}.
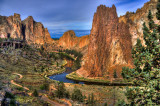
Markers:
{"x": 62, "y": 77}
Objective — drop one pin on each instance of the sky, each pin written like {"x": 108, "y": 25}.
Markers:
{"x": 62, "y": 15}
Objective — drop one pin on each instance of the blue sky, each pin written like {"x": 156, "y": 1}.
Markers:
{"x": 62, "y": 15}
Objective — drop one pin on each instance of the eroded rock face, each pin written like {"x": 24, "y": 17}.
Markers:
{"x": 28, "y": 30}
{"x": 109, "y": 43}
{"x": 136, "y": 20}
{"x": 11, "y": 26}
{"x": 70, "y": 41}
{"x": 35, "y": 32}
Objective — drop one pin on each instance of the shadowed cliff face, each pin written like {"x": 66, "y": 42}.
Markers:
{"x": 110, "y": 43}
{"x": 136, "y": 20}
{"x": 28, "y": 30}
{"x": 70, "y": 41}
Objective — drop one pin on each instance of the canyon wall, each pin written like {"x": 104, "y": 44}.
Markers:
{"x": 136, "y": 20}
{"x": 69, "y": 40}
{"x": 109, "y": 43}
{"x": 28, "y": 30}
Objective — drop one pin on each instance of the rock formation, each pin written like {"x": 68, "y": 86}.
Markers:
{"x": 11, "y": 26}
{"x": 28, "y": 30}
{"x": 111, "y": 39}
{"x": 70, "y": 41}
{"x": 136, "y": 20}
{"x": 109, "y": 45}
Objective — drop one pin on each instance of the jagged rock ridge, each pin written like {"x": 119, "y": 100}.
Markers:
{"x": 28, "y": 30}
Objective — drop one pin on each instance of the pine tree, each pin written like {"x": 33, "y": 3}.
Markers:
{"x": 158, "y": 14}
{"x": 146, "y": 73}
{"x": 151, "y": 22}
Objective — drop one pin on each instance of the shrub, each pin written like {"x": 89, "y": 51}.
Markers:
{"x": 60, "y": 92}
{"x": 45, "y": 87}
{"x": 77, "y": 95}
{"x": 35, "y": 93}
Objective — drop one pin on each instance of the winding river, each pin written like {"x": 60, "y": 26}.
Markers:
{"x": 62, "y": 77}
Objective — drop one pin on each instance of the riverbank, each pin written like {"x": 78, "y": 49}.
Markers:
{"x": 56, "y": 72}
{"x": 75, "y": 77}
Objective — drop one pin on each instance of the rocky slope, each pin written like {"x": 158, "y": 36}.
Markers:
{"x": 70, "y": 41}
{"x": 109, "y": 45}
{"x": 28, "y": 30}
{"x": 136, "y": 20}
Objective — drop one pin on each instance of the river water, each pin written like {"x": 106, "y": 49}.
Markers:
{"x": 62, "y": 77}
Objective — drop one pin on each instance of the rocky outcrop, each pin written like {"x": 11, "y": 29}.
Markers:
{"x": 11, "y": 26}
{"x": 35, "y": 32}
{"x": 109, "y": 43}
{"x": 29, "y": 30}
{"x": 70, "y": 41}
{"x": 136, "y": 20}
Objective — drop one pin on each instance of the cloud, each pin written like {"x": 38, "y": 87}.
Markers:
{"x": 62, "y": 15}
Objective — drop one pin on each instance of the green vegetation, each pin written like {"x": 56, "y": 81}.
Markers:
{"x": 60, "y": 92}
{"x": 146, "y": 74}
{"x": 91, "y": 100}
{"x": 73, "y": 52}
{"x": 74, "y": 76}
{"x": 35, "y": 93}
{"x": 77, "y": 58}
{"x": 65, "y": 56}
{"x": 158, "y": 10}
{"x": 115, "y": 74}
{"x": 45, "y": 86}
{"x": 10, "y": 96}
{"x": 20, "y": 88}
{"x": 151, "y": 22}
{"x": 77, "y": 95}
{"x": 158, "y": 15}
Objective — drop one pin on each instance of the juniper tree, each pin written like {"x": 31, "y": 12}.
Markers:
{"x": 60, "y": 92}
{"x": 150, "y": 18}
{"x": 158, "y": 10}
{"x": 35, "y": 93}
{"x": 146, "y": 73}
{"x": 158, "y": 14}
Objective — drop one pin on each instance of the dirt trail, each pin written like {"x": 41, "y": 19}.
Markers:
{"x": 53, "y": 103}
{"x": 14, "y": 83}
{"x": 44, "y": 98}
{"x": 67, "y": 101}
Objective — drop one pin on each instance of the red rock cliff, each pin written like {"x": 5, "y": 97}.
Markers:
{"x": 70, "y": 41}
{"x": 11, "y": 26}
{"x": 28, "y": 30}
{"x": 109, "y": 43}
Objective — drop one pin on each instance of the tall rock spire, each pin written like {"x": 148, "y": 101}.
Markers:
{"x": 110, "y": 43}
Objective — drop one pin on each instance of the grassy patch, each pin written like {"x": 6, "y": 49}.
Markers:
{"x": 74, "y": 76}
